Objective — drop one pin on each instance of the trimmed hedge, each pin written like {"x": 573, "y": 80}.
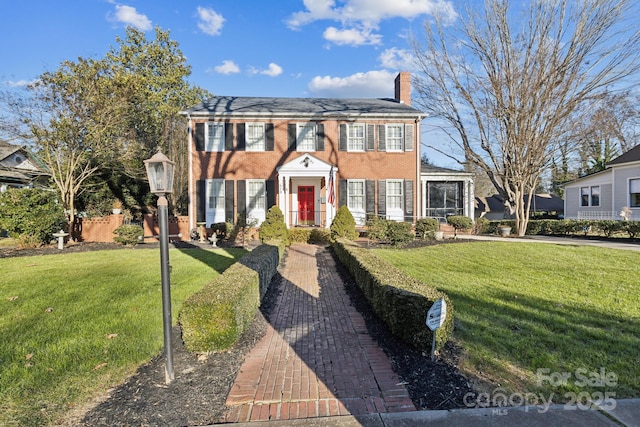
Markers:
{"x": 213, "y": 318}
{"x": 400, "y": 300}
{"x": 568, "y": 227}
{"x": 309, "y": 235}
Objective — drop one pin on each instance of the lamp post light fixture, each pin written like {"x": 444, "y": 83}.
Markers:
{"x": 160, "y": 172}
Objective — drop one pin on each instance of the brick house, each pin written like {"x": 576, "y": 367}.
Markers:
{"x": 307, "y": 155}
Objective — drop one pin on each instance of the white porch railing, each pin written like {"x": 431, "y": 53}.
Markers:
{"x": 605, "y": 215}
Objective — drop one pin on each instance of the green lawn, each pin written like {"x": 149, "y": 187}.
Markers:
{"x": 521, "y": 307}
{"x": 73, "y": 325}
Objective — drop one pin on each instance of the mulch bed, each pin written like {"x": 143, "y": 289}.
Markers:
{"x": 197, "y": 395}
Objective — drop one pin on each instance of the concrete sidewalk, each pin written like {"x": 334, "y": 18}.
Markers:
{"x": 631, "y": 246}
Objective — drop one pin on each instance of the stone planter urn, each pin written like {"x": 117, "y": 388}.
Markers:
{"x": 439, "y": 235}
{"x": 504, "y": 230}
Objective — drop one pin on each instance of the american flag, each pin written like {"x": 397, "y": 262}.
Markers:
{"x": 331, "y": 198}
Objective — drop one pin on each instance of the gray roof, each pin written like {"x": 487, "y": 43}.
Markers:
{"x": 632, "y": 155}
{"x": 8, "y": 149}
{"x": 302, "y": 107}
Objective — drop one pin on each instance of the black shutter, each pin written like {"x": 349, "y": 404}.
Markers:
{"x": 408, "y": 200}
{"x": 201, "y": 200}
{"x": 382, "y": 138}
{"x": 271, "y": 192}
{"x": 228, "y": 201}
{"x": 268, "y": 130}
{"x": 199, "y": 136}
{"x": 382, "y": 198}
{"x": 291, "y": 134}
{"x": 342, "y": 144}
{"x": 320, "y": 137}
{"x": 371, "y": 138}
{"x": 242, "y": 196}
{"x": 228, "y": 136}
{"x": 240, "y": 142}
{"x": 408, "y": 138}
{"x": 370, "y": 194}
{"x": 342, "y": 192}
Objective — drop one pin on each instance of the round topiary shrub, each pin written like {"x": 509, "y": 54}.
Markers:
{"x": 425, "y": 227}
{"x": 128, "y": 234}
{"x": 273, "y": 227}
{"x": 460, "y": 222}
{"x": 343, "y": 224}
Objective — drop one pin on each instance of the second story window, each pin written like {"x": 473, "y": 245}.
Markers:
{"x": 215, "y": 137}
{"x": 306, "y": 137}
{"x": 590, "y": 196}
{"x": 255, "y": 137}
{"x": 355, "y": 137}
{"x": 395, "y": 137}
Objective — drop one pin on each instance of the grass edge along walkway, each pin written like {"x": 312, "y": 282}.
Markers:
{"x": 76, "y": 324}
{"x": 521, "y": 307}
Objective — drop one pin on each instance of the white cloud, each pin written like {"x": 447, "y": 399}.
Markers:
{"x": 227, "y": 67}
{"x": 210, "y": 21}
{"x": 129, "y": 15}
{"x": 397, "y": 59}
{"x": 352, "y": 37}
{"x": 372, "y": 84}
{"x": 369, "y": 11}
{"x": 273, "y": 70}
{"x": 19, "y": 83}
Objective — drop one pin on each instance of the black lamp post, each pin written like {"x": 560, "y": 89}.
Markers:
{"x": 160, "y": 173}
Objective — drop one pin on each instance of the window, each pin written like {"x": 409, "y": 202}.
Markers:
{"x": 214, "y": 137}
{"x": 215, "y": 194}
{"x": 255, "y": 137}
{"x": 590, "y": 196}
{"x": 255, "y": 197}
{"x": 444, "y": 198}
{"x": 355, "y": 195}
{"x": 634, "y": 193}
{"x": 306, "y": 138}
{"x": 394, "y": 195}
{"x": 395, "y": 137}
{"x": 355, "y": 137}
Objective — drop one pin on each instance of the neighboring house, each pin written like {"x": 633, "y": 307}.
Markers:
{"x": 608, "y": 193}
{"x": 542, "y": 205}
{"x": 19, "y": 168}
{"x": 308, "y": 156}
{"x": 446, "y": 192}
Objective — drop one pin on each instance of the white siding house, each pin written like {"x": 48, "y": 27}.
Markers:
{"x": 606, "y": 194}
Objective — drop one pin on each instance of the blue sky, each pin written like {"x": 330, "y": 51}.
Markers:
{"x": 292, "y": 48}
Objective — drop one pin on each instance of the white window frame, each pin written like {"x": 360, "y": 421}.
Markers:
{"x": 214, "y": 143}
{"x": 256, "y": 206}
{"x": 395, "y": 210}
{"x": 632, "y": 187}
{"x": 353, "y": 142}
{"x": 358, "y": 211}
{"x": 394, "y": 143}
{"x": 306, "y": 137}
{"x": 589, "y": 192}
{"x": 215, "y": 203}
{"x": 258, "y": 142}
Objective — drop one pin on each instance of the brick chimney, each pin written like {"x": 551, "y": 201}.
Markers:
{"x": 403, "y": 87}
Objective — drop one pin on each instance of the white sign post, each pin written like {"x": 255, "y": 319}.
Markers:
{"x": 435, "y": 318}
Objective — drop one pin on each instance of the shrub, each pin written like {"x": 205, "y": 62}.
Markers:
{"x": 460, "y": 222}
{"x": 309, "y": 235}
{"x": 400, "y": 300}
{"x": 213, "y": 318}
{"x": 343, "y": 225}
{"x": 376, "y": 228}
{"x": 425, "y": 227}
{"x": 220, "y": 230}
{"x": 399, "y": 233}
{"x": 609, "y": 227}
{"x": 274, "y": 227}
{"x": 481, "y": 226}
{"x": 631, "y": 227}
{"x": 31, "y": 215}
{"x": 128, "y": 234}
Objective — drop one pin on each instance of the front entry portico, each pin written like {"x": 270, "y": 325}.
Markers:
{"x": 304, "y": 184}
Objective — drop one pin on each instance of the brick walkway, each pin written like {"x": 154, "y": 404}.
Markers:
{"x": 316, "y": 358}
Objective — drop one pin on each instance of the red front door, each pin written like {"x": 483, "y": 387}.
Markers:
{"x": 305, "y": 205}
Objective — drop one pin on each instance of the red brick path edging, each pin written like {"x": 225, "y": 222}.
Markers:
{"x": 316, "y": 358}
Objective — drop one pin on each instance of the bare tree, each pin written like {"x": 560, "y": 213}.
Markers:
{"x": 505, "y": 88}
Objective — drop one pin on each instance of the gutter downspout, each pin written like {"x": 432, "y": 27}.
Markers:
{"x": 191, "y": 209}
